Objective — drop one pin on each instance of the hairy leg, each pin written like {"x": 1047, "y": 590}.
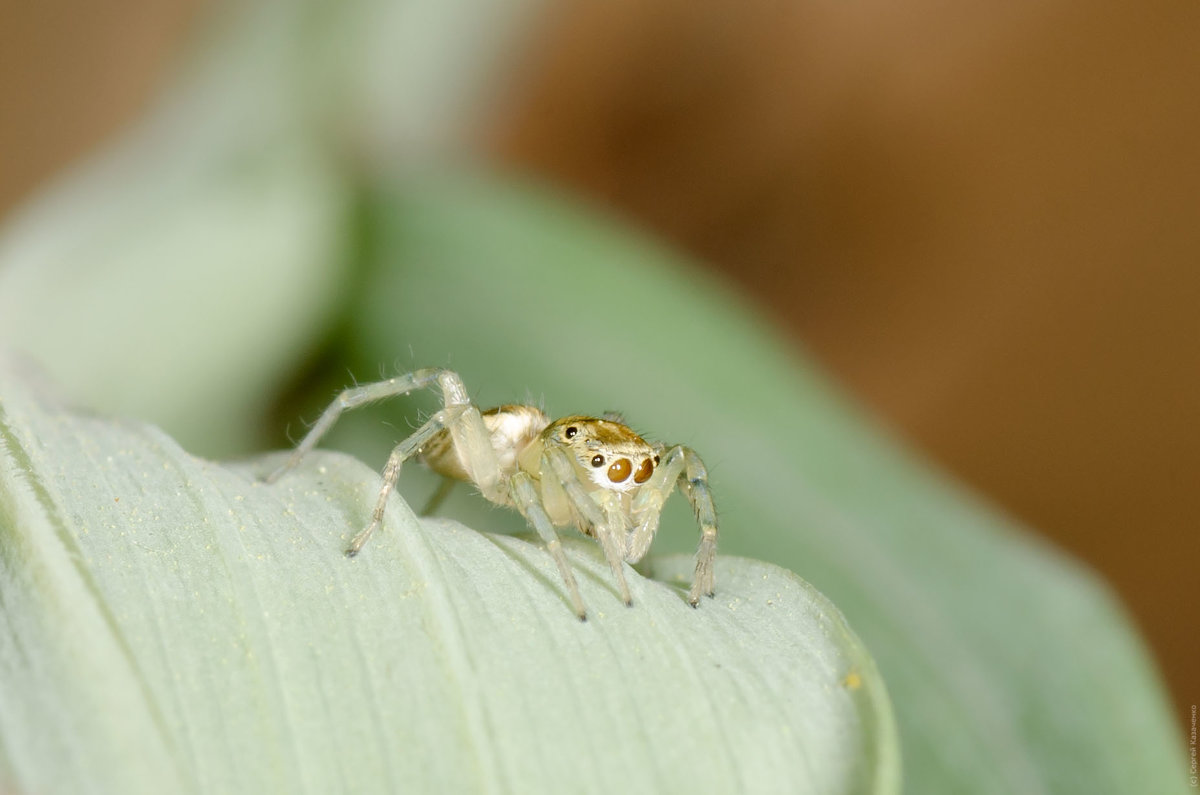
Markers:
{"x": 353, "y": 398}
{"x": 610, "y": 533}
{"x": 648, "y": 504}
{"x": 458, "y": 416}
{"x": 679, "y": 465}
{"x": 695, "y": 486}
{"x": 391, "y": 472}
{"x": 607, "y": 522}
{"x": 525, "y": 497}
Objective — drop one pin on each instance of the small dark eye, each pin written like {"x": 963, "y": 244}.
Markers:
{"x": 655, "y": 459}
{"x": 597, "y": 460}
{"x": 571, "y": 431}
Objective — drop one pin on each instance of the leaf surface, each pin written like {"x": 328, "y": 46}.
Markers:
{"x": 173, "y": 624}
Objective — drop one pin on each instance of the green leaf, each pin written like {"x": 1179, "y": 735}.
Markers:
{"x": 183, "y": 273}
{"x": 1012, "y": 668}
{"x": 171, "y": 624}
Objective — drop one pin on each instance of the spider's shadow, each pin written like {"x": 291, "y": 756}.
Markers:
{"x": 552, "y": 581}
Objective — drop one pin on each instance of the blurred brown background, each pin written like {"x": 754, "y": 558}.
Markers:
{"x": 985, "y": 220}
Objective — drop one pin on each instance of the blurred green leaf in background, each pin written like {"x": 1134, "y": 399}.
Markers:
{"x": 266, "y": 237}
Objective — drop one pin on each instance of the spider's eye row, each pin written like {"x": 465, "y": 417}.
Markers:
{"x": 644, "y": 471}
{"x": 597, "y": 460}
{"x": 619, "y": 470}
{"x": 571, "y": 431}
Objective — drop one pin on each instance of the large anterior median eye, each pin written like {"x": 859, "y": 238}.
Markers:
{"x": 619, "y": 470}
{"x": 644, "y": 471}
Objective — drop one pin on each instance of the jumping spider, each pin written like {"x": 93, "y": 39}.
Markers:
{"x": 593, "y": 473}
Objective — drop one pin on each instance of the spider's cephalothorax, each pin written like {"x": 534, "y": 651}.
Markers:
{"x": 592, "y": 473}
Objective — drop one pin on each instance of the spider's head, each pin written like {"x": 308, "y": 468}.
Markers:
{"x": 609, "y": 453}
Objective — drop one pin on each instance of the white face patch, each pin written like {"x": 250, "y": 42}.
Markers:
{"x": 617, "y": 471}
{"x": 599, "y": 477}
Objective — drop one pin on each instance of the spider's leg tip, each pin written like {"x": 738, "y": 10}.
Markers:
{"x": 351, "y": 552}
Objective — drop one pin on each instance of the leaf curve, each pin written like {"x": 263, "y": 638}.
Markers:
{"x": 174, "y": 623}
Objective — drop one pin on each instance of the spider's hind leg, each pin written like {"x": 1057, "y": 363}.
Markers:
{"x": 357, "y": 396}
{"x": 391, "y": 472}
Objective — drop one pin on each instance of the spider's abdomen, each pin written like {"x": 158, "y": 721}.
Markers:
{"x": 512, "y": 428}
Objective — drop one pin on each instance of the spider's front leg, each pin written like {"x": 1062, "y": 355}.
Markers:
{"x": 559, "y": 473}
{"x": 679, "y": 465}
{"x": 525, "y": 497}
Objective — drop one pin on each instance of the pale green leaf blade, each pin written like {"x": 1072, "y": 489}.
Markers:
{"x": 173, "y": 624}
{"x": 180, "y": 284}
{"x": 181, "y": 273}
